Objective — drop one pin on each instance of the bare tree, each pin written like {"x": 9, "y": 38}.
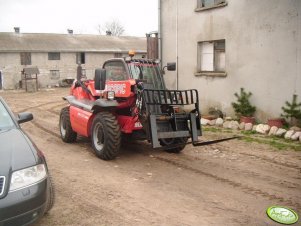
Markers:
{"x": 99, "y": 29}
{"x": 114, "y": 28}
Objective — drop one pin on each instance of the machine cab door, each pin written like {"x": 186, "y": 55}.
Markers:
{"x": 117, "y": 78}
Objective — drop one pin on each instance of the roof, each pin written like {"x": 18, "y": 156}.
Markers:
{"x": 42, "y": 42}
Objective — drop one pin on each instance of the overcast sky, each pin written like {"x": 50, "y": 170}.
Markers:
{"x": 56, "y": 16}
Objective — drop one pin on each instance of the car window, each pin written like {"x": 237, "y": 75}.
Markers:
{"x": 5, "y": 119}
{"x": 115, "y": 71}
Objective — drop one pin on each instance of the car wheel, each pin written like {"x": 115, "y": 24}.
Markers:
{"x": 105, "y": 136}
{"x": 50, "y": 194}
{"x": 67, "y": 133}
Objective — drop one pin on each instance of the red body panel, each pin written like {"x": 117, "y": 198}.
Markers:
{"x": 81, "y": 121}
{"x": 80, "y": 94}
{"x": 121, "y": 88}
{"x": 128, "y": 123}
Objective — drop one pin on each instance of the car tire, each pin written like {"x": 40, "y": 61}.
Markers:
{"x": 67, "y": 133}
{"x": 50, "y": 194}
{"x": 105, "y": 136}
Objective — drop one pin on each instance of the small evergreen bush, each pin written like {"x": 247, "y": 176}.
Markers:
{"x": 292, "y": 111}
{"x": 243, "y": 106}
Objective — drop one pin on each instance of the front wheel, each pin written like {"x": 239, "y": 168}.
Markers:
{"x": 179, "y": 144}
{"x": 105, "y": 136}
{"x": 67, "y": 133}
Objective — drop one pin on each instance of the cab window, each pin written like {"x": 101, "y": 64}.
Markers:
{"x": 115, "y": 71}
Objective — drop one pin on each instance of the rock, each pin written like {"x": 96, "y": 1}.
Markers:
{"x": 212, "y": 122}
{"x": 296, "y": 135}
{"x": 204, "y": 121}
{"x": 228, "y": 118}
{"x": 233, "y": 125}
{"x": 209, "y": 117}
{"x": 219, "y": 122}
{"x": 280, "y": 132}
{"x": 262, "y": 128}
{"x": 226, "y": 124}
{"x": 254, "y": 127}
{"x": 295, "y": 128}
{"x": 289, "y": 134}
{"x": 273, "y": 130}
{"x": 242, "y": 126}
{"x": 248, "y": 126}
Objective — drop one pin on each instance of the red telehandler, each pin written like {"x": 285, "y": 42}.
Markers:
{"x": 128, "y": 98}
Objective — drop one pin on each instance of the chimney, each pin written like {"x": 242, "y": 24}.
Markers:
{"x": 70, "y": 31}
{"x": 17, "y": 30}
{"x": 152, "y": 43}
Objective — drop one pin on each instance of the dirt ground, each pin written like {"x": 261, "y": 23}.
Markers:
{"x": 230, "y": 183}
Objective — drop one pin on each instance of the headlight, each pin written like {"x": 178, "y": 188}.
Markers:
{"x": 25, "y": 177}
{"x": 111, "y": 95}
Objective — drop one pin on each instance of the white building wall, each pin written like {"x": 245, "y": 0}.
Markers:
{"x": 263, "y": 42}
{"x": 10, "y": 66}
{"x": 11, "y": 70}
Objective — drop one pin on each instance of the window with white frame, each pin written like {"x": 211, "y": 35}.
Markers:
{"x": 210, "y": 3}
{"x": 211, "y": 56}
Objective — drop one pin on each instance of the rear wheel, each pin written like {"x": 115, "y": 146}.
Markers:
{"x": 67, "y": 133}
{"x": 105, "y": 136}
{"x": 180, "y": 144}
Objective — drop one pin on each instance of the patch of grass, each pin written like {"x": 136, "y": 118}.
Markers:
{"x": 277, "y": 143}
{"x": 250, "y": 132}
{"x": 253, "y": 136}
{"x": 216, "y": 130}
{"x": 211, "y": 129}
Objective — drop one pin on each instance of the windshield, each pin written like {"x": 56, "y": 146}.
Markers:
{"x": 147, "y": 72}
{"x": 6, "y": 121}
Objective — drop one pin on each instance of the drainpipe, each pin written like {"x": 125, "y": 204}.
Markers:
{"x": 159, "y": 32}
{"x": 177, "y": 58}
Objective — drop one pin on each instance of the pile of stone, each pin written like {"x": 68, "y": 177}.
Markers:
{"x": 294, "y": 133}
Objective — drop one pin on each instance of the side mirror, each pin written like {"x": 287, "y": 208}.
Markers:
{"x": 100, "y": 79}
{"x": 24, "y": 117}
{"x": 171, "y": 66}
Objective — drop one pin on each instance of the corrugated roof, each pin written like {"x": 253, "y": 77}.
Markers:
{"x": 23, "y": 42}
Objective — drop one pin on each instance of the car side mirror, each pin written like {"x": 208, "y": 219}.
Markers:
{"x": 100, "y": 79}
{"x": 24, "y": 117}
{"x": 171, "y": 66}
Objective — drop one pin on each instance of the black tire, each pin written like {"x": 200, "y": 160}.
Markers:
{"x": 50, "y": 194}
{"x": 105, "y": 136}
{"x": 67, "y": 133}
{"x": 174, "y": 141}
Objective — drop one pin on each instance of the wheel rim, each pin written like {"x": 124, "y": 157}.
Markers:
{"x": 98, "y": 137}
{"x": 63, "y": 127}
